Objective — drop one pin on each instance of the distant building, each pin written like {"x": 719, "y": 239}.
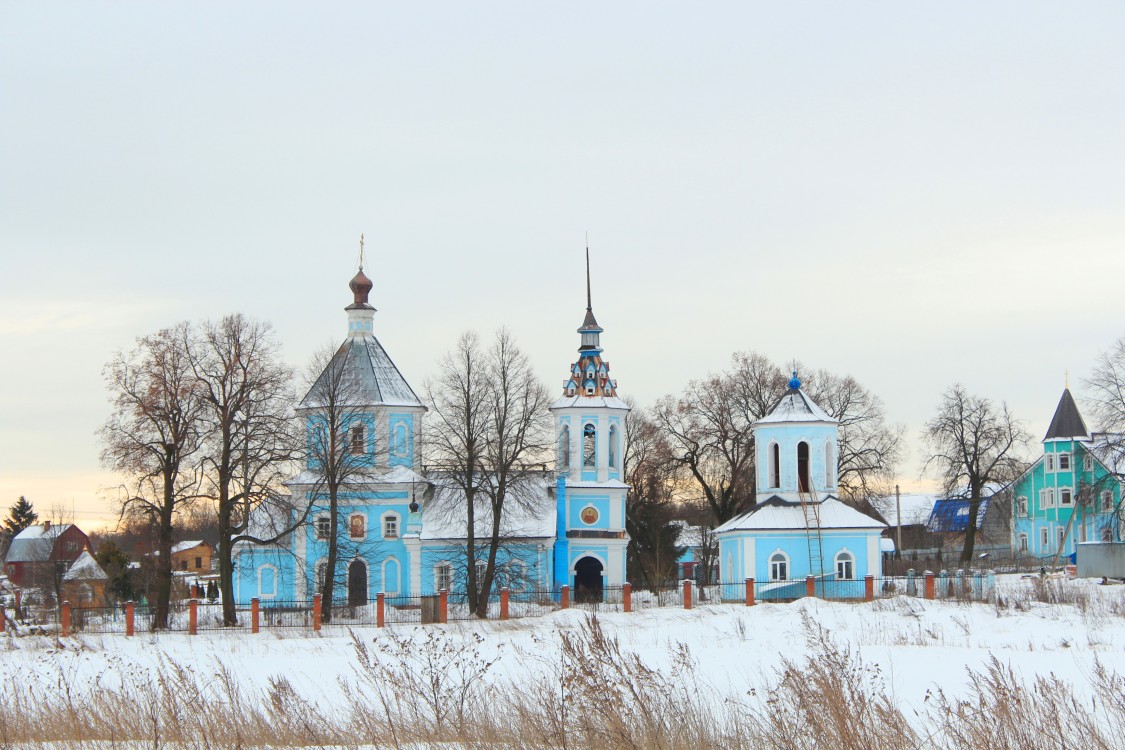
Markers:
{"x": 192, "y": 556}
{"x": 41, "y": 553}
{"x": 84, "y": 583}
{"x": 1071, "y": 494}
{"x": 949, "y": 522}
{"x": 800, "y": 528}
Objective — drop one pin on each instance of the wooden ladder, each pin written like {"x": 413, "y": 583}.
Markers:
{"x": 811, "y": 509}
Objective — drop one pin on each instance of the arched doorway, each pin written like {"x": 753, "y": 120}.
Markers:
{"x": 357, "y": 583}
{"x": 588, "y": 580}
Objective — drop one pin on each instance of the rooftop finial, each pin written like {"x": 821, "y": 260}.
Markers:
{"x": 794, "y": 383}
{"x": 361, "y": 251}
{"x": 589, "y": 304}
{"x": 1068, "y": 379}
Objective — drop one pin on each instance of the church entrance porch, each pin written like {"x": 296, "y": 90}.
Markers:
{"x": 357, "y": 583}
{"x": 587, "y": 580}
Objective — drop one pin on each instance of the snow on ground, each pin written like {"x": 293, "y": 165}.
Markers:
{"x": 918, "y": 645}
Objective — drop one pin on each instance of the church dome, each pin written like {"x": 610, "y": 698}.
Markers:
{"x": 361, "y": 287}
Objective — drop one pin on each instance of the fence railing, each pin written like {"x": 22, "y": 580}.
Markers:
{"x": 194, "y": 616}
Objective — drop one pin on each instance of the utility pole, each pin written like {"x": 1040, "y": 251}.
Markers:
{"x": 898, "y": 518}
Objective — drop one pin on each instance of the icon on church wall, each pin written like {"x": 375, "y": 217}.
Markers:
{"x": 589, "y": 514}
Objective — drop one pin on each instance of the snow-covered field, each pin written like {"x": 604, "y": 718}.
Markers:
{"x": 909, "y": 647}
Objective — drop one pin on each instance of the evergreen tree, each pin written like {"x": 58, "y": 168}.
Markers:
{"x": 20, "y": 516}
{"x": 115, "y": 562}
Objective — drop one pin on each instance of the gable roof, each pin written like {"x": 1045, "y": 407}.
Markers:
{"x": 378, "y": 381}
{"x": 85, "y": 568}
{"x": 36, "y": 542}
{"x": 777, "y": 514}
{"x": 1067, "y": 422}
{"x": 952, "y": 515}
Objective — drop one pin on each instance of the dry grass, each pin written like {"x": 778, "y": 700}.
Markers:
{"x": 437, "y": 688}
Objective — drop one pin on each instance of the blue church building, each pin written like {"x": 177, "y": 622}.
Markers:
{"x": 800, "y": 528}
{"x": 401, "y": 531}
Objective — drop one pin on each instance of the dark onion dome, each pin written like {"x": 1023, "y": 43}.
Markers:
{"x": 361, "y": 287}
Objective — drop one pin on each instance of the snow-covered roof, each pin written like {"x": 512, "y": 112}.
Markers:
{"x": 529, "y": 512}
{"x": 609, "y": 402}
{"x": 690, "y": 536}
{"x": 776, "y": 514}
{"x": 184, "y": 546}
{"x": 916, "y": 508}
{"x": 36, "y": 542}
{"x": 796, "y": 406}
{"x": 378, "y": 382}
{"x": 612, "y": 484}
{"x": 394, "y": 475}
{"x": 85, "y": 568}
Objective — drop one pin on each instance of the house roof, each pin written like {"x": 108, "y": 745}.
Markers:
{"x": 378, "y": 382}
{"x": 777, "y": 514}
{"x": 36, "y": 542}
{"x": 1067, "y": 422}
{"x": 952, "y": 515}
{"x": 529, "y": 512}
{"x": 796, "y": 406}
{"x": 394, "y": 475}
{"x": 185, "y": 546}
{"x": 85, "y": 568}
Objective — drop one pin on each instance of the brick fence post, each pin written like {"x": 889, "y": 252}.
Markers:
{"x": 564, "y": 597}
{"x": 749, "y": 592}
{"x": 504, "y": 603}
{"x": 869, "y": 588}
{"x": 316, "y": 612}
{"x": 193, "y": 617}
{"x": 810, "y": 586}
{"x": 65, "y": 624}
{"x": 929, "y": 585}
{"x": 130, "y": 618}
{"x": 443, "y": 603}
{"x": 255, "y": 611}
{"x": 687, "y": 593}
{"x": 380, "y": 610}
{"x": 627, "y": 596}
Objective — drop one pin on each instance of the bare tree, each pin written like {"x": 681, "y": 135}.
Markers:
{"x": 492, "y": 428}
{"x": 336, "y": 455}
{"x": 973, "y": 443}
{"x": 649, "y": 505}
{"x": 251, "y": 439}
{"x": 152, "y": 438}
{"x": 1107, "y": 389}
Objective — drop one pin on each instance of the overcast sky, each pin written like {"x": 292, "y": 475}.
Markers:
{"x": 914, "y": 194}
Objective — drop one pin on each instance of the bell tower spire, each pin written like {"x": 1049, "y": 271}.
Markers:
{"x": 590, "y": 330}
{"x": 360, "y": 313}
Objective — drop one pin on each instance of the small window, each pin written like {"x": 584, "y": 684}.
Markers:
{"x": 1063, "y": 460}
{"x": 564, "y": 447}
{"x": 1047, "y": 498}
{"x": 845, "y": 566}
{"x": 1066, "y": 498}
{"x": 1049, "y": 462}
{"x": 390, "y": 526}
{"x": 323, "y": 527}
{"x": 1044, "y": 539}
{"x": 321, "y": 569}
{"x": 1107, "y": 501}
{"x": 357, "y": 527}
{"x": 400, "y": 440}
{"x": 1023, "y": 542}
{"x": 1021, "y": 505}
{"x": 1088, "y": 462}
{"x": 613, "y": 446}
{"x": 358, "y": 443}
{"x": 443, "y": 576}
{"x": 1062, "y": 536}
{"x": 590, "y": 389}
{"x": 199, "y": 563}
{"x": 1107, "y": 534}
{"x": 183, "y": 564}
{"x": 779, "y": 567}
{"x": 481, "y": 568}
{"x": 775, "y": 465}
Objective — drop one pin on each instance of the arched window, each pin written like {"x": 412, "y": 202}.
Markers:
{"x": 390, "y": 576}
{"x": 400, "y": 440}
{"x": 564, "y": 447}
{"x": 775, "y": 465}
{"x": 613, "y": 446}
{"x": 829, "y": 466}
{"x": 267, "y": 581}
{"x": 779, "y": 566}
{"x": 589, "y": 446}
{"x": 845, "y": 566}
{"x": 321, "y": 570}
{"x": 802, "y": 466}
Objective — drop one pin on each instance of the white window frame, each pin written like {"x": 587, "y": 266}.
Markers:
{"x": 590, "y": 453}
{"x": 1087, "y": 462}
{"x": 1049, "y": 463}
{"x": 357, "y": 438}
{"x": 363, "y": 520}
{"x": 320, "y": 572}
{"x": 1062, "y": 537}
{"x": 783, "y": 561}
{"x": 443, "y": 574}
{"x": 1066, "y": 497}
{"x": 1021, "y": 506}
{"x": 1021, "y": 541}
{"x": 389, "y": 518}
{"x": 326, "y": 531}
{"x": 1107, "y": 501}
{"x": 1047, "y": 497}
{"x": 844, "y": 559}
{"x": 1044, "y": 539}
{"x": 1060, "y": 459}
{"x": 262, "y": 593}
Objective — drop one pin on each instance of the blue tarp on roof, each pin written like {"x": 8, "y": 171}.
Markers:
{"x": 952, "y": 515}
